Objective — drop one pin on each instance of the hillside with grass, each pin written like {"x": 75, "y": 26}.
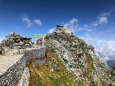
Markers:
{"x": 69, "y": 62}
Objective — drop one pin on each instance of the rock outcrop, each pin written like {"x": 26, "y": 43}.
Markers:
{"x": 79, "y": 58}
{"x": 14, "y": 41}
{"x": 113, "y": 74}
{"x": 69, "y": 61}
{"x": 1, "y": 50}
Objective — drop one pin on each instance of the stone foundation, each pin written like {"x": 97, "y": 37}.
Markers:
{"x": 14, "y": 76}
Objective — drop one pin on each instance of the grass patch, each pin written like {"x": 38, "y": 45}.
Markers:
{"x": 52, "y": 73}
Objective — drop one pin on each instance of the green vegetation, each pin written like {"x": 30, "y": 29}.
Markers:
{"x": 52, "y": 73}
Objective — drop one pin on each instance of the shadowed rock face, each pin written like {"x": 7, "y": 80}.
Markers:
{"x": 14, "y": 41}
{"x": 1, "y": 50}
{"x": 78, "y": 57}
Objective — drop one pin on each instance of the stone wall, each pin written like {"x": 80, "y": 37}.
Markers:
{"x": 15, "y": 73}
{"x": 25, "y": 78}
{"x": 34, "y": 56}
{"x": 34, "y": 53}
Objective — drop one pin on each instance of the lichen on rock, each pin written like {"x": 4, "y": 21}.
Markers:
{"x": 14, "y": 41}
{"x": 78, "y": 57}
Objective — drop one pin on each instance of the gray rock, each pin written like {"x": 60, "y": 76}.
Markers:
{"x": 24, "y": 81}
{"x": 113, "y": 74}
{"x": 1, "y": 50}
{"x": 12, "y": 33}
{"x": 14, "y": 41}
{"x": 78, "y": 57}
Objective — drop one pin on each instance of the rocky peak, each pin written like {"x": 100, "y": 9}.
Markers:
{"x": 60, "y": 29}
{"x": 14, "y": 41}
{"x": 12, "y": 34}
{"x": 78, "y": 57}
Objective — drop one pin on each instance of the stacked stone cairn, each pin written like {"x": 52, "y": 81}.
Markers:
{"x": 14, "y": 41}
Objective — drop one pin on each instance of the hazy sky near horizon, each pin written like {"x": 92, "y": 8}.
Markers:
{"x": 91, "y": 20}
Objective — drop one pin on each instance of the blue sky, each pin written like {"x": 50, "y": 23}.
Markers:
{"x": 91, "y": 20}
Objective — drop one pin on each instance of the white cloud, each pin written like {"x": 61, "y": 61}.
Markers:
{"x": 2, "y": 33}
{"x": 105, "y": 49}
{"x": 38, "y": 21}
{"x": 27, "y": 21}
{"x": 72, "y": 25}
{"x": 89, "y": 30}
{"x": 101, "y": 19}
{"x": 51, "y": 30}
{"x": 75, "y": 27}
{"x": 1, "y": 38}
{"x": 74, "y": 20}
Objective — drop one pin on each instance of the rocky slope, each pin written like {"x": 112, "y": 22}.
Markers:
{"x": 69, "y": 61}
{"x": 78, "y": 58}
{"x": 52, "y": 73}
{"x": 14, "y": 41}
{"x": 113, "y": 74}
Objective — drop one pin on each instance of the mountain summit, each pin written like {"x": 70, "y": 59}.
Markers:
{"x": 78, "y": 58}
{"x": 67, "y": 60}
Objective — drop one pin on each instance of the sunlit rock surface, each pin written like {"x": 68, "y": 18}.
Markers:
{"x": 65, "y": 61}
{"x": 78, "y": 58}
{"x": 14, "y": 41}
